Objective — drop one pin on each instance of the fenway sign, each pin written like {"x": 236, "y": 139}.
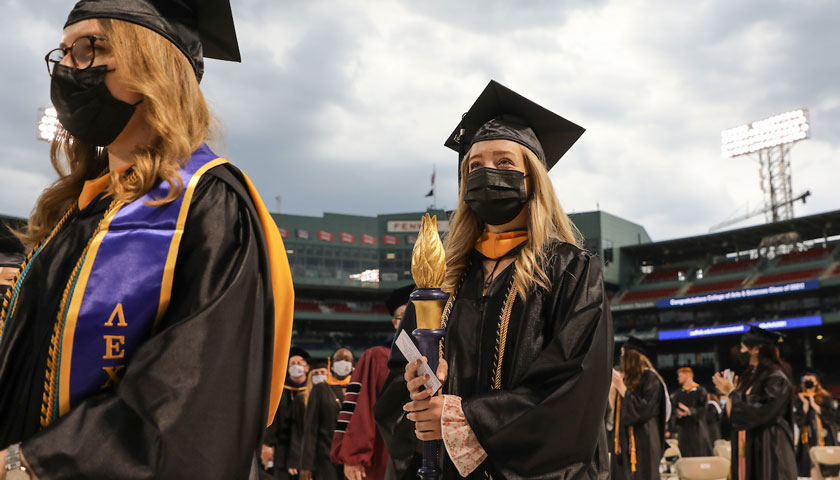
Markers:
{"x": 412, "y": 226}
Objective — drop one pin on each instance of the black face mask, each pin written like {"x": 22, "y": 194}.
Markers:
{"x": 496, "y": 196}
{"x": 809, "y": 384}
{"x": 744, "y": 358}
{"x": 85, "y": 106}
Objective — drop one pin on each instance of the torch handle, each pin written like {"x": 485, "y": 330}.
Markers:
{"x": 428, "y": 340}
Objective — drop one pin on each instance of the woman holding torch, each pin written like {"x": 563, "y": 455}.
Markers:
{"x": 528, "y": 330}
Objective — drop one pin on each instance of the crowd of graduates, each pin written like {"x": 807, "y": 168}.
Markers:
{"x": 324, "y": 428}
{"x": 765, "y": 421}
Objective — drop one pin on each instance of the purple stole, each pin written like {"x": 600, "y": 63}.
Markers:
{"x": 122, "y": 289}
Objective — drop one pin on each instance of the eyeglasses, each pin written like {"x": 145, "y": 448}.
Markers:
{"x": 82, "y": 53}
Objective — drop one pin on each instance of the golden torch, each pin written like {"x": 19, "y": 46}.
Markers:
{"x": 428, "y": 267}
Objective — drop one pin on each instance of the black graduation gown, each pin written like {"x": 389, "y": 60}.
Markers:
{"x": 766, "y": 415}
{"x": 279, "y": 434}
{"x": 321, "y": 418}
{"x": 296, "y": 437}
{"x": 644, "y": 410}
{"x": 713, "y": 419}
{"x": 547, "y": 420}
{"x": 809, "y": 436}
{"x": 193, "y": 400}
{"x": 693, "y": 433}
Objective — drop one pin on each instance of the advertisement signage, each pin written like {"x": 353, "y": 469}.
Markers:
{"x": 717, "y": 330}
{"x": 738, "y": 294}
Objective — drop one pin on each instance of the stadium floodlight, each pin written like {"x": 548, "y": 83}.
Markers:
{"x": 777, "y": 130}
{"x": 769, "y": 142}
{"x": 48, "y": 124}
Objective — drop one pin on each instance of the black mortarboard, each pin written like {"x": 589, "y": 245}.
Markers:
{"x": 318, "y": 363}
{"x": 499, "y": 113}
{"x": 642, "y": 346}
{"x": 398, "y": 298}
{"x": 11, "y": 259}
{"x": 199, "y": 28}
{"x": 299, "y": 352}
{"x": 812, "y": 371}
{"x": 756, "y": 336}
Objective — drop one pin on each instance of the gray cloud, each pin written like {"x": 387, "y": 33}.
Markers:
{"x": 343, "y": 107}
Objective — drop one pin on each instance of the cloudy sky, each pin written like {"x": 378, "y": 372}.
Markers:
{"x": 343, "y": 106}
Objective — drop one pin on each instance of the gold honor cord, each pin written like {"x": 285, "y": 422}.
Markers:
{"x": 501, "y": 334}
{"x": 7, "y": 310}
{"x": 48, "y": 404}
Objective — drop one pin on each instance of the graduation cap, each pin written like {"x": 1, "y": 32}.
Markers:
{"x": 318, "y": 363}
{"x": 642, "y": 346}
{"x": 499, "y": 113}
{"x": 199, "y": 28}
{"x": 398, "y": 298}
{"x": 300, "y": 352}
{"x": 11, "y": 260}
{"x": 813, "y": 372}
{"x": 758, "y": 336}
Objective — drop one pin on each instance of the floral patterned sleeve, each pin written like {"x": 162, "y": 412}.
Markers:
{"x": 460, "y": 441}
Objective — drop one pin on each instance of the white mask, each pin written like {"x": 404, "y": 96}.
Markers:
{"x": 296, "y": 371}
{"x": 342, "y": 368}
{"x": 316, "y": 379}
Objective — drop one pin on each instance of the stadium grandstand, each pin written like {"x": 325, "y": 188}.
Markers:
{"x": 694, "y": 294}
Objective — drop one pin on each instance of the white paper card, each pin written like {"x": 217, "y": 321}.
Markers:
{"x": 410, "y": 352}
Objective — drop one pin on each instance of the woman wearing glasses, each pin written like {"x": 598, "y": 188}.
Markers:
{"x": 149, "y": 325}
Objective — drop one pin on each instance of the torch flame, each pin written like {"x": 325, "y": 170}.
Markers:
{"x": 428, "y": 259}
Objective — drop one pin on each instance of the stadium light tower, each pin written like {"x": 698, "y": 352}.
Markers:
{"x": 48, "y": 124}
{"x": 771, "y": 139}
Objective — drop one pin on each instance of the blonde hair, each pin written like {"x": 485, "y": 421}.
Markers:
{"x": 547, "y": 222}
{"x": 174, "y": 107}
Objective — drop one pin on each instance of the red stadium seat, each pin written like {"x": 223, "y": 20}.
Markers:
{"x": 643, "y": 295}
{"x": 809, "y": 255}
{"x": 339, "y": 307}
{"x": 304, "y": 306}
{"x": 667, "y": 275}
{"x": 699, "y": 289}
{"x": 835, "y": 271}
{"x": 729, "y": 267}
{"x": 787, "y": 277}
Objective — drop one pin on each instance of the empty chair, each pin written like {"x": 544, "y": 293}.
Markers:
{"x": 824, "y": 456}
{"x": 702, "y": 468}
{"x": 671, "y": 452}
{"x": 724, "y": 451}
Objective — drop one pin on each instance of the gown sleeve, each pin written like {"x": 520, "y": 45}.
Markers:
{"x": 358, "y": 441}
{"x": 193, "y": 398}
{"x": 570, "y": 376}
{"x": 311, "y": 427}
{"x": 296, "y": 440}
{"x": 762, "y": 408}
{"x": 799, "y": 415}
{"x": 396, "y": 430}
{"x": 643, "y": 404}
{"x": 698, "y": 406}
